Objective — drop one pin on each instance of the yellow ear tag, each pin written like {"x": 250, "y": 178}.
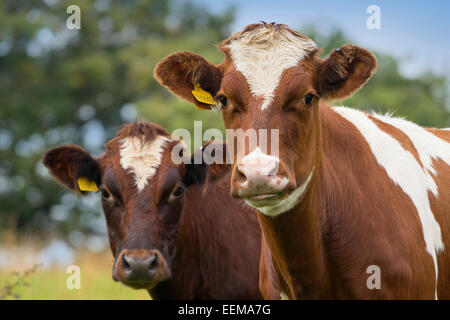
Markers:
{"x": 202, "y": 95}
{"x": 86, "y": 184}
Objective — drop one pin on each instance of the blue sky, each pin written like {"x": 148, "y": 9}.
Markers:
{"x": 417, "y": 32}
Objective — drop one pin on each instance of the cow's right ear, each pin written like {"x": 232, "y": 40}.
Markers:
{"x": 74, "y": 168}
{"x": 207, "y": 164}
{"x": 190, "y": 77}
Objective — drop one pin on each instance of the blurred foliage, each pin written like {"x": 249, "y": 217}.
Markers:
{"x": 60, "y": 86}
{"x": 9, "y": 288}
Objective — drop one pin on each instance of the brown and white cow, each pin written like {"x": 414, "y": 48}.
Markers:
{"x": 173, "y": 229}
{"x": 350, "y": 192}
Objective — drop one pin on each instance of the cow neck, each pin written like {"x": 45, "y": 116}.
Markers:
{"x": 298, "y": 233}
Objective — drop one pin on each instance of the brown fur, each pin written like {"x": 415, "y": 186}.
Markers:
{"x": 344, "y": 72}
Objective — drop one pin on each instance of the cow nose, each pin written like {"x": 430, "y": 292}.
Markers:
{"x": 258, "y": 173}
{"x": 141, "y": 268}
{"x": 257, "y": 165}
{"x": 138, "y": 268}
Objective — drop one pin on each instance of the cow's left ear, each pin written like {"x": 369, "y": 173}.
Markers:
{"x": 74, "y": 168}
{"x": 344, "y": 72}
{"x": 207, "y": 164}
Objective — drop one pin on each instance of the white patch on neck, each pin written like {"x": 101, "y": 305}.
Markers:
{"x": 142, "y": 158}
{"x": 262, "y": 55}
{"x": 403, "y": 169}
{"x": 285, "y": 204}
{"x": 284, "y": 296}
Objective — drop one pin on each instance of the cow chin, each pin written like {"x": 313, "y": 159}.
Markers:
{"x": 142, "y": 285}
{"x": 137, "y": 286}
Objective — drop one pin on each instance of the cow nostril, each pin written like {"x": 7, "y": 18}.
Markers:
{"x": 153, "y": 262}
{"x": 126, "y": 262}
{"x": 240, "y": 175}
{"x": 274, "y": 170}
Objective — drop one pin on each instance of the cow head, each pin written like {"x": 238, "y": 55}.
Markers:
{"x": 142, "y": 193}
{"x": 272, "y": 79}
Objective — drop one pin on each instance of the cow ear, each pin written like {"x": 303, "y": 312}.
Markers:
{"x": 196, "y": 169}
{"x": 190, "y": 77}
{"x": 74, "y": 168}
{"x": 216, "y": 155}
{"x": 344, "y": 72}
{"x": 207, "y": 164}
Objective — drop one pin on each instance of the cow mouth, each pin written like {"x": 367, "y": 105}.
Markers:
{"x": 265, "y": 197}
{"x": 264, "y": 200}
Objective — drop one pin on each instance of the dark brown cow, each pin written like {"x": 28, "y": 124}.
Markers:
{"x": 173, "y": 229}
{"x": 354, "y": 205}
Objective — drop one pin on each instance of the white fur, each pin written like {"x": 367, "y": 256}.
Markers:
{"x": 428, "y": 146}
{"x": 262, "y": 55}
{"x": 262, "y": 163}
{"x": 284, "y": 296}
{"x": 403, "y": 169}
{"x": 142, "y": 158}
{"x": 285, "y": 204}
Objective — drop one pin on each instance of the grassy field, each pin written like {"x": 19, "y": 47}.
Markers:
{"x": 50, "y": 283}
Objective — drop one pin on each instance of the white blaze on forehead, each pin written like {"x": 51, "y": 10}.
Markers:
{"x": 403, "y": 169}
{"x": 262, "y": 55}
{"x": 142, "y": 158}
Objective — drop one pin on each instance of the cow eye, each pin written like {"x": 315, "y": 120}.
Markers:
{"x": 223, "y": 100}
{"x": 307, "y": 100}
{"x": 105, "y": 194}
{"x": 178, "y": 191}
